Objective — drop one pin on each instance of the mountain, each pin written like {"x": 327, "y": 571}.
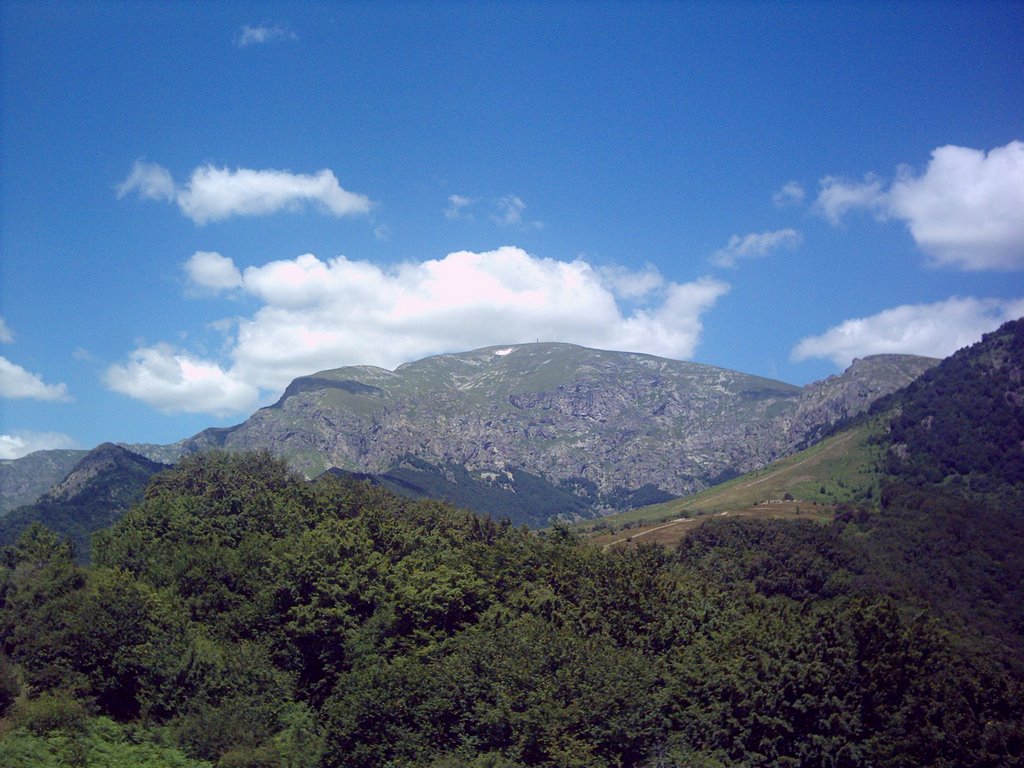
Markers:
{"x": 95, "y": 493}
{"x": 24, "y": 480}
{"x": 601, "y": 425}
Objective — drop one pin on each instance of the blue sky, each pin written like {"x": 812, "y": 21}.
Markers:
{"x": 201, "y": 201}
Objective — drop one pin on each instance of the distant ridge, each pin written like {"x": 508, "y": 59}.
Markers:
{"x": 94, "y": 494}
{"x": 24, "y": 480}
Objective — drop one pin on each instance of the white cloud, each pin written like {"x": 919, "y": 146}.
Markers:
{"x": 208, "y": 269}
{"x": 838, "y": 196}
{"x": 791, "y": 193}
{"x": 509, "y": 210}
{"x": 754, "y": 245}
{"x": 218, "y": 193}
{"x": 149, "y": 180}
{"x": 318, "y": 314}
{"x": 965, "y": 211}
{"x": 6, "y": 335}
{"x": 213, "y": 194}
{"x": 934, "y": 330}
{"x": 17, "y": 383}
{"x": 263, "y": 34}
{"x": 19, "y": 444}
{"x": 174, "y": 381}
{"x": 457, "y": 205}
{"x": 631, "y": 284}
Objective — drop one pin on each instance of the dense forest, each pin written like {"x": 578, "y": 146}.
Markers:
{"x": 242, "y": 616}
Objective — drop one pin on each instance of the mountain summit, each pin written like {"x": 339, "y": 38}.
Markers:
{"x": 584, "y": 419}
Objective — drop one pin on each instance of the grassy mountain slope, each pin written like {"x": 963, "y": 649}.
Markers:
{"x": 842, "y": 468}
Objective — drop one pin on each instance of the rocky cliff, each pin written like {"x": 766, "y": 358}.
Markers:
{"x": 569, "y": 414}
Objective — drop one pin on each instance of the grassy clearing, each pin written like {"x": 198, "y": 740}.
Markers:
{"x": 839, "y": 469}
{"x": 670, "y": 533}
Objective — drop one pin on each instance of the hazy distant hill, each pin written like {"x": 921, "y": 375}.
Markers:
{"x": 94, "y": 494}
{"x": 24, "y": 480}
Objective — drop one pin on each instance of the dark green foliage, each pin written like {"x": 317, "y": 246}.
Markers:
{"x": 520, "y": 497}
{"x": 622, "y": 498}
{"x": 10, "y": 686}
{"x": 255, "y": 619}
{"x": 798, "y": 559}
{"x": 961, "y": 557}
{"x": 965, "y": 418}
{"x": 96, "y": 743}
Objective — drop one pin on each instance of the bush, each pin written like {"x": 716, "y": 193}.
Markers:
{"x": 50, "y": 712}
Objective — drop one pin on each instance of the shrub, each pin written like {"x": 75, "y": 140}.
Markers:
{"x": 50, "y": 712}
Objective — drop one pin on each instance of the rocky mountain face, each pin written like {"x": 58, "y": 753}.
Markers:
{"x": 823, "y": 403}
{"x": 577, "y": 417}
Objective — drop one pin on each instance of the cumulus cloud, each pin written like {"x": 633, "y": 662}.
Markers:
{"x": 208, "y": 269}
{"x": 213, "y": 193}
{"x": 791, "y": 193}
{"x": 17, "y": 383}
{"x": 175, "y": 381}
{"x": 934, "y": 330}
{"x": 965, "y": 211}
{"x": 6, "y": 335}
{"x": 755, "y": 245}
{"x": 18, "y": 444}
{"x": 250, "y": 35}
{"x": 317, "y": 314}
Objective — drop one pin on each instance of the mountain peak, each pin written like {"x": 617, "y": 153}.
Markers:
{"x": 102, "y": 459}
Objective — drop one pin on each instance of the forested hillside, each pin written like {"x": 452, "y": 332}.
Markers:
{"x": 244, "y": 617}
